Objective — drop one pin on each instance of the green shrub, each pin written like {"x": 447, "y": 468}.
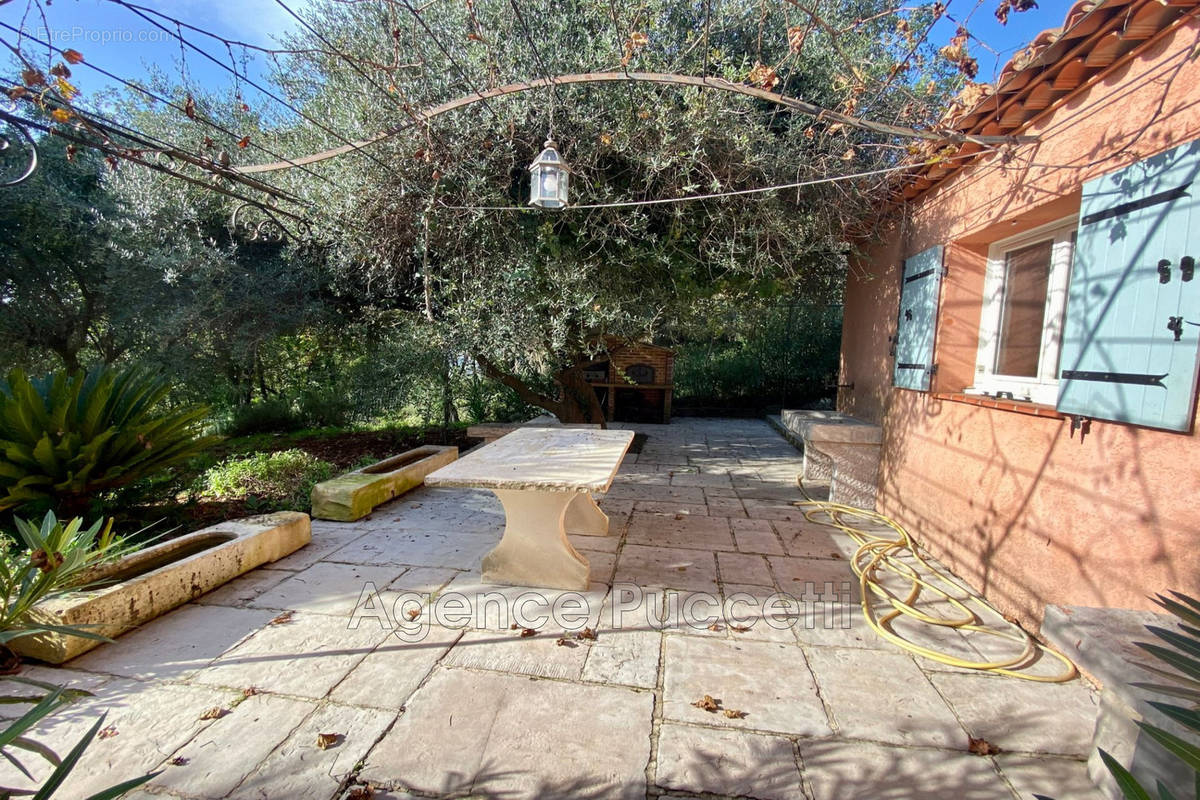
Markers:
{"x": 324, "y": 410}
{"x": 268, "y": 416}
{"x": 281, "y": 480}
{"x": 66, "y": 437}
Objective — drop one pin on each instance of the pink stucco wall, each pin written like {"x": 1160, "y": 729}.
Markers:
{"x": 1029, "y": 513}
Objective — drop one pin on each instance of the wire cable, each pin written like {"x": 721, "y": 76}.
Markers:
{"x": 718, "y": 195}
{"x": 138, "y": 10}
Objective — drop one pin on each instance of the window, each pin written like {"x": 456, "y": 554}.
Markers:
{"x": 1024, "y": 301}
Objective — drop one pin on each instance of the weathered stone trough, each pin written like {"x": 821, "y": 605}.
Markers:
{"x": 354, "y": 495}
{"x": 119, "y": 596}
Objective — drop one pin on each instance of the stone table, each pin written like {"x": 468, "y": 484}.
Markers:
{"x": 544, "y": 478}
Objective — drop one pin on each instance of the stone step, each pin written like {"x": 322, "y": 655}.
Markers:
{"x": 1101, "y": 643}
{"x": 829, "y": 426}
{"x": 852, "y": 471}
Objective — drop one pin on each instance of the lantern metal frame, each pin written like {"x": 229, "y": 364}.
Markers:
{"x": 549, "y": 178}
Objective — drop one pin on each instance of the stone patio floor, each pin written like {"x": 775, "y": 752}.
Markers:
{"x": 823, "y": 712}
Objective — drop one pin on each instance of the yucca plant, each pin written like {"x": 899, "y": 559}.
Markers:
{"x": 67, "y": 436}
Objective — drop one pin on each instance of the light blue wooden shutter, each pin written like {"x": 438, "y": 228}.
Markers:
{"x": 918, "y": 319}
{"x": 1132, "y": 332}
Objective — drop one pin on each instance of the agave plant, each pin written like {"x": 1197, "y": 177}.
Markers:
{"x": 67, "y": 436}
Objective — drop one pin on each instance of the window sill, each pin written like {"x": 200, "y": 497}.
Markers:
{"x": 1019, "y": 406}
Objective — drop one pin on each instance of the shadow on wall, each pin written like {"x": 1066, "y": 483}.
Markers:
{"x": 1026, "y": 510}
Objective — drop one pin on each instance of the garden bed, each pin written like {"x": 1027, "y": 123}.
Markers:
{"x": 189, "y": 510}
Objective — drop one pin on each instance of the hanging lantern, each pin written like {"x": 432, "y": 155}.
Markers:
{"x": 548, "y": 179}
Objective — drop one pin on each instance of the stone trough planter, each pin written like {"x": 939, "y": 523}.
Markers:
{"x": 151, "y": 582}
{"x": 354, "y": 495}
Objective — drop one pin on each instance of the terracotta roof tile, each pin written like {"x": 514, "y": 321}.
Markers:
{"x": 1093, "y": 36}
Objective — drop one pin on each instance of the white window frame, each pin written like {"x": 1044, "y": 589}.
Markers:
{"x": 1044, "y": 388}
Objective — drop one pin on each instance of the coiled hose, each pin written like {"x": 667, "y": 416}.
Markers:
{"x": 879, "y": 557}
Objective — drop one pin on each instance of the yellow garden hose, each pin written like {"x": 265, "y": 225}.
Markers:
{"x": 879, "y": 556}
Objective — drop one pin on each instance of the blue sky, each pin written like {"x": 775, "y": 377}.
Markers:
{"x": 116, "y": 39}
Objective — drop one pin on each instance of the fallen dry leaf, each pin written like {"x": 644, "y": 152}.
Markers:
{"x": 563, "y": 641}
{"x": 716, "y": 626}
{"x": 739, "y": 628}
{"x": 250, "y": 692}
{"x": 527, "y": 632}
{"x": 587, "y": 633}
{"x": 513, "y": 627}
{"x": 413, "y": 613}
{"x": 216, "y": 712}
{"x": 981, "y": 747}
{"x": 709, "y": 704}
{"x": 107, "y": 733}
{"x": 734, "y": 713}
{"x": 178, "y": 761}
{"x": 361, "y": 793}
{"x": 328, "y": 740}
{"x": 282, "y": 619}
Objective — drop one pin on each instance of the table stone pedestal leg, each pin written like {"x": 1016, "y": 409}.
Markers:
{"x": 535, "y": 550}
{"x": 584, "y": 516}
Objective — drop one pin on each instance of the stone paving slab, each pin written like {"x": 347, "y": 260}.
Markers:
{"x": 625, "y": 657}
{"x": 429, "y": 548}
{"x": 213, "y": 764}
{"x": 669, "y": 567}
{"x": 144, "y": 724}
{"x": 299, "y": 769}
{"x": 1023, "y": 715}
{"x": 727, "y": 762}
{"x": 769, "y": 683}
{"x": 1060, "y": 778}
{"x": 305, "y": 657}
{"x": 546, "y": 654}
{"x": 504, "y": 735}
{"x": 241, "y": 590}
{"x": 831, "y": 709}
{"x": 902, "y": 708}
{"x": 326, "y": 588}
{"x": 669, "y": 530}
{"x": 176, "y": 645}
{"x": 837, "y": 770}
{"x": 392, "y": 671}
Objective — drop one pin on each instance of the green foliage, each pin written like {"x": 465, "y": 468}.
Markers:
{"x": 275, "y": 415}
{"x": 76, "y": 284}
{"x": 53, "y": 558}
{"x": 756, "y": 355}
{"x": 279, "y": 480}
{"x": 67, "y": 436}
{"x": 325, "y": 408}
{"x": 14, "y": 736}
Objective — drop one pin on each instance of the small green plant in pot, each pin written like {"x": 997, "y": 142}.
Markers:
{"x": 68, "y": 436}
